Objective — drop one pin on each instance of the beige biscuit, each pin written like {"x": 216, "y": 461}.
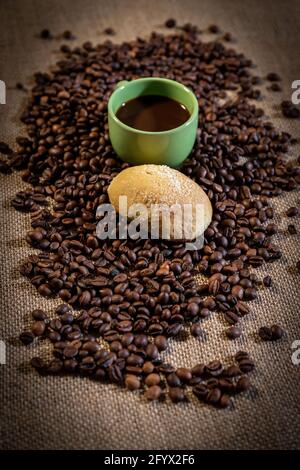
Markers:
{"x": 160, "y": 184}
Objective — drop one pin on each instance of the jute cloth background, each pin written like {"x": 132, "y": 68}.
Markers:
{"x": 72, "y": 412}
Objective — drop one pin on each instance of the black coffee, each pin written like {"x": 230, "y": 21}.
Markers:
{"x": 153, "y": 113}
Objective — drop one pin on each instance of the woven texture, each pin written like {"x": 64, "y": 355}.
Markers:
{"x": 70, "y": 412}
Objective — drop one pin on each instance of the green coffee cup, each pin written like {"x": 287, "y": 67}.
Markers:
{"x": 162, "y": 148}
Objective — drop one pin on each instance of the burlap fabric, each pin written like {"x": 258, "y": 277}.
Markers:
{"x": 72, "y": 412}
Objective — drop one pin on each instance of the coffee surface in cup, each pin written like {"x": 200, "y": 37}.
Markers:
{"x": 153, "y": 113}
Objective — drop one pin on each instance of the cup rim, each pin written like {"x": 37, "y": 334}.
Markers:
{"x": 166, "y": 80}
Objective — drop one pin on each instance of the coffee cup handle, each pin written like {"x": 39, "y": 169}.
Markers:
{"x": 121, "y": 83}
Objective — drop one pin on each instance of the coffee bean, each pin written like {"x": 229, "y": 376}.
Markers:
{"x": 184, "y": 374}
{"x": 201, "y": 391}
{"x": 273, "y": 77}
{"x": 161, "y": 343}
{"x": 246, "y": 365}
{"x": 177, "y": 394}
{"x": 38, "y": 328}
{"x": 277, "y": 332}
{"x": 109, "y": 31}
{"x": 292, "y": 229}
{"x": 196, "y": 330}
{"x": 68, "y": 35}
{"x": 170, "y": 23}
{"x": 224, "y": 401}
{"x": 298, "y": 265}
{"x": 39, "y": 314}
{"x": 70, "y": 351}
{"x": 132, "y": 382}
{"x": 152, "y": 379}
{"x": 27, "y": 337}
{"x": 292, "y": 211}
{"x": 153, "y": 393}
{"x": 45, "y": 34}
{"x": 214, "y": 29}
{"x": 243, "y": 384}
{"x": 173, "y": 380}
{"x": 267, "y": 281}
{"x": 233, "y": 332}
{"x": 213, "y": 396}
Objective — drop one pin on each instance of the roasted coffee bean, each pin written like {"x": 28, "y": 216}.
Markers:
{"x": 292, "y": 229}
{"x": 154, "y": 392}
{"x": 214, "y": 368}
{"x": 38, "y": 363}
{"x": 196, "y": 330}
{"x": 109, "y": 31}
{"x": 298, "y": 265}
{"x": 292, "y": 211}
{"x": 27, "y": 337}
{"x": 184, "y": 374}
{"x": 267, "y": 281}
{"x": 38, "y": 328}
{"x": 152, "y": 379}
{"x": 213, "y": 396}
{"x": 214, "y": 29}
{"x": 39, "y": 314}
{"x": 173, "y": 380}
{"x": 198, "y": 370}
{"x": 246, "y": 365}
{"x": 132, "y": 382}
{"x": 161, "y": 343}
{"x": 243, "y": 384}
{"x": 45, "y": 34}
{"x": 201, "y": 391}
{"x": 233, "y": 332}
{"x": 177, "y": 394}
{"x": 277, "y": 332}
{"x": 265, "y": 333}
{"x": 170, "y": 23}
{"x": 273, "y": 77}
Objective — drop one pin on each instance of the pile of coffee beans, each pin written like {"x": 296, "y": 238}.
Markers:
{"x": 136, "y": 295}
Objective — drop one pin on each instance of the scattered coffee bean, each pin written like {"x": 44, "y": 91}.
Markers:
{"x": 45, "y": 34}
{"x": 243, "y": 384}
{"x": 289, "y": 110}
{"x": 38, "y": 328}
{"x": 267, "y": 281}
{"x": 109, "y": 31}
{"x": 214, "y": 29}
{"x": 170, "y": 23}
{"x": 68, "y": 35}
{"x": 273, "y": 77}
{"x": 132, "y": 382}
{"x": 292, "y": 212}
{"x": 152, "y": 379}
{"x": 233, "y": 332}
{"x": 177, "y": 394}
{"x": 196, "y": 330}
{"x": 292, "y": 229}
{"x": 27, "y": 337}
{"x": 153, "y": 393}
{"x": 275, "y": 87}
{"x": 277, "y": 332}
